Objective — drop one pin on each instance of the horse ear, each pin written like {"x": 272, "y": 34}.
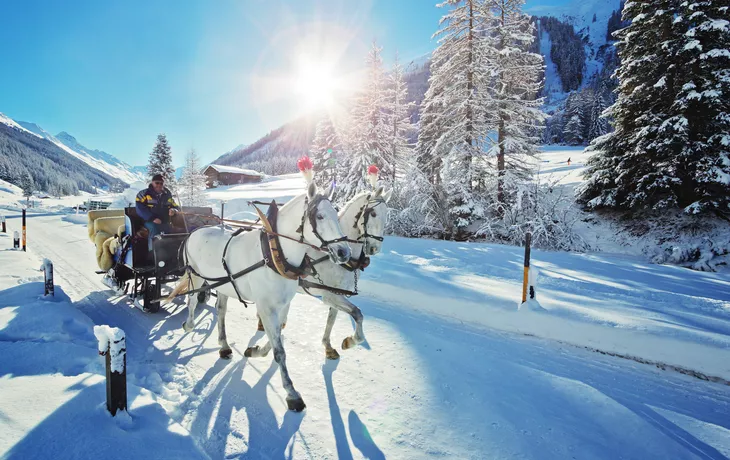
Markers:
{"x": 330, "y": 192}
{"x": 311, "y": 190}
{"x": 388, "y": 195}
{"x": 378, "y": 192}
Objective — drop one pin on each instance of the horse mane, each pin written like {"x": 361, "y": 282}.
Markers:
{"x": 352, "y": 202}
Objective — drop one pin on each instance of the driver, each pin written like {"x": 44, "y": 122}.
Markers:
{"x": 155, "y": 206}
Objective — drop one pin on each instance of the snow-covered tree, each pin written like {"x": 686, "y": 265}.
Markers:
{"x": 597, "y": 123}
{"x": 397, "y": 117}
{"x": 517, "y": 81}
{"x": 27, "y": 184}
{"x": 670, "y": 146}
{"x": 632, "y": 166}
{"x": 368, "y": 137}
{"x": 326, "y": 151}
{"x": 160, "y": 162}
{"x": 457, "y": 107}
{"x": 193, "y": 182}
{"x": 701, "y": 110}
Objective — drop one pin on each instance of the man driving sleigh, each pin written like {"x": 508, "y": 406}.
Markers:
{"x": 155, "y": 206}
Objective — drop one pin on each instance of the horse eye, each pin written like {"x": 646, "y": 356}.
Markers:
{"x": 372, "y": 214}
{"x": 320, "y": 217}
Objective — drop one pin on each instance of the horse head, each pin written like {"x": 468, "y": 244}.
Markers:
{"x": 371, "y": 220}
{"x": 322, "y": 227}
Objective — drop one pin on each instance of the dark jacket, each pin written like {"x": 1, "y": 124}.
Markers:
{"x": 152, "y": 205}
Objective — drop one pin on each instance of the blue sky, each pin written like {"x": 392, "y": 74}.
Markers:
{"x": 210, "y": 74}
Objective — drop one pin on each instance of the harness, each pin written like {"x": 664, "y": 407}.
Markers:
{"x": 352, "y": 265}
{"x": 273, "y": 256}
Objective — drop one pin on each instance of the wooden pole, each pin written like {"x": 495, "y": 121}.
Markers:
{"x": 528, "y": 241}
{"x": 24, "y": 232}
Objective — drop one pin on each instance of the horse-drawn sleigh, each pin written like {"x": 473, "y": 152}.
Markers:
{"x": 304, "y": 245}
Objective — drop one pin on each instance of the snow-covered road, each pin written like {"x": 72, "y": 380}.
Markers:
{"x": 421, "y": 387}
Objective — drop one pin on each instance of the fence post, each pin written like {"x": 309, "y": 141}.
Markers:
{"x": 2, "y": 219}
{"x": 47, "y": 269}
{"x": 528, "y": 241}
{"x": 24, "y": 233}
{"x": 113, "y": 346}
{"x": 16, "y": 240}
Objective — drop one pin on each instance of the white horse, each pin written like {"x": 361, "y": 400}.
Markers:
{"x": 363, "y": 218}
{"x": 272, "y": 293}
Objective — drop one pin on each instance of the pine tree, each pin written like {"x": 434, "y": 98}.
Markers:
{"x": 598, "y": 124}
{"x": 160, "y": 162}
{"x": 27, "y": 184}
{"x": 701, "y": 110}
{"x": 518, "y": 80}
{"x": 397, "y": 117}
{"x": 457, "y": 108}
{"x": 632, "y": 167}
{"x": 368, "y": 132}
{"x": 326, "y": 152}
{"x": 193, "y": 182}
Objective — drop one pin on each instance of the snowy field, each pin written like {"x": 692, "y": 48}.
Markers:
{"x": 450, "y": 369}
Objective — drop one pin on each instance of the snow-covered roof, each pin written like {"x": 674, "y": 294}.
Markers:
{"x": 234, "y": 170}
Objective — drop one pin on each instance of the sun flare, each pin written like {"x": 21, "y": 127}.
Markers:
{"x": 317, "y": 86}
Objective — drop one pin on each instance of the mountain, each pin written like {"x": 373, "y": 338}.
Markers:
{"x": 95, "y": 158}
{"x": 52, "y": 169}
{"x": 277, "y": 152}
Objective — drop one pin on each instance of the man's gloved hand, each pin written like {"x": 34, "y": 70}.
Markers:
{"x": 173, "y": 211}
{"x": 157, "y": 221}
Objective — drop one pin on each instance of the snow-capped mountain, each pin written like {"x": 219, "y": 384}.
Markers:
{"x": 95, "y": 158}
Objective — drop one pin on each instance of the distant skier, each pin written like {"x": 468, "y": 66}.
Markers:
{"x": 155, "y": 206}
{"x": 568, "y": 161}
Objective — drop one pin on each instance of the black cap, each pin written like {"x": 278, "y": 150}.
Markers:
{"x": 158, "y": 177}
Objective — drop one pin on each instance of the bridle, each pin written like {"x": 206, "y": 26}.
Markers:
{"x": 310, "y": 211}
{"x": 364, "y": 214}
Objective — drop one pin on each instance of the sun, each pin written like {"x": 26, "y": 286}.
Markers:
{"x": 317, "y": 86}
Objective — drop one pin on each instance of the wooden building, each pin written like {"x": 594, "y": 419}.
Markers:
{"x": 229, "y": 175}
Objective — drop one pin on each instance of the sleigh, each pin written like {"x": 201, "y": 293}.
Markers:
{"x": 126, "y": 261}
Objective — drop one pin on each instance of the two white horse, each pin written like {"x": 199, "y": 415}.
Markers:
{"x": 313, "y": 215}
{"x": 363, "y": 219}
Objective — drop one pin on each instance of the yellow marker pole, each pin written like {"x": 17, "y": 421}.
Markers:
{"x": 528, "y": 240}
{"x": 23, "y": 229}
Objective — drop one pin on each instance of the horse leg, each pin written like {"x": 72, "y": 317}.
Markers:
{"x": 342, "y": 304}
{"x": 330, "y": 352}
{"x": 257, "y": 351}
{"x": 221, "y": 305}
{"x": 196, "y": 283}
{"x": 260, "y": 326}
{"x": 272, "y": 325}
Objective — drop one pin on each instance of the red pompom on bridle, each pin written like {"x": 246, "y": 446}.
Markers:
{"x": 306, "y": 167}
{"x": 372, "y": 169}
{"x": 373, "y": 175}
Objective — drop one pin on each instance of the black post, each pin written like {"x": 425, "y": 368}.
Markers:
{"x": 47, "y": 270}
{"x": 525, "y": 275}
{"x": 2, "y": 218}
{"x": 116, "y": 378}
{"x": 23, "y": 229}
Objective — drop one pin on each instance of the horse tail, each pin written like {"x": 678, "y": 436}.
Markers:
{"x": 182, "y": 287}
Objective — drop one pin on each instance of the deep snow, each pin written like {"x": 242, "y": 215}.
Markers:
{"x": 450, "y": 368}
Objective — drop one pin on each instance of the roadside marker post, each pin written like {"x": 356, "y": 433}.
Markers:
{"x": 24, "y": 232}
{"x": 525, "y": 278}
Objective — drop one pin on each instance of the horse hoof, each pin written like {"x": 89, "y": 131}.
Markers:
{"x": 283, "y": 325}
{"x": 186, "y": 328}
{"x": 332, "y": 354}
{"x": 249, "y": 351}
{"x": 297, "y": 405}
{"x": 349, "y": 342}
{"x": 225, "y": 353}
{"x": 260, "y": 326}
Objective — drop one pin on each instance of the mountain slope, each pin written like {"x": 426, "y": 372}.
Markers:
{"x": 97, "y": 159}
{"x": 52, "y": 168}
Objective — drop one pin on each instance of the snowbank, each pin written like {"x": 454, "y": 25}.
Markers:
{"x": 51, "y": 378}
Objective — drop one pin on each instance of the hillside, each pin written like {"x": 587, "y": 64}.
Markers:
{"x": 52, "y": 168}
{"x": 97, "y": 159}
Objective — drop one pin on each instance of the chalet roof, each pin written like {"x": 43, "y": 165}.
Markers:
{"x": 234, "y": 170}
